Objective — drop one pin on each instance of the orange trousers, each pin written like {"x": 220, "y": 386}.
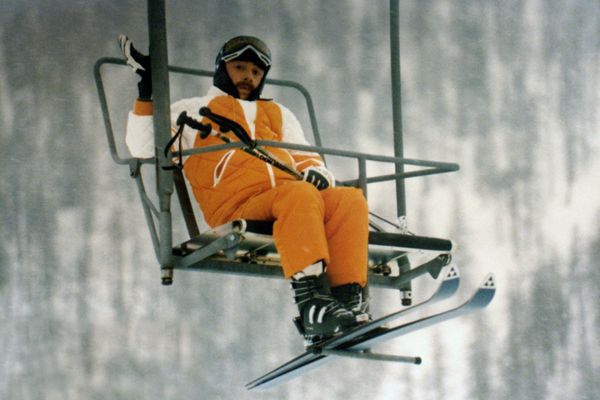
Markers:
{"x": 310, "y": 225}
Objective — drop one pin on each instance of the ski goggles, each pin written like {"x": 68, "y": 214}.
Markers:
{"x": 235, "y": 48}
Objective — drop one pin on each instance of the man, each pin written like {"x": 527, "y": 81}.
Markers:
{"x": 317, "y": 227}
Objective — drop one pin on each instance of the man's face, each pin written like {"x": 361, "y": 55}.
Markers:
{"x": 245, "y": 75}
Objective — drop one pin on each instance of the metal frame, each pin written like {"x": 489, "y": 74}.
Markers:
{"x": 159, "y": 218}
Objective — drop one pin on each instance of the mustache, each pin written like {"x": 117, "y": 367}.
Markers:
{"x": 245, "y": 85}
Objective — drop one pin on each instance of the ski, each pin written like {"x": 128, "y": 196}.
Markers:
{"x": 480, "y": 299}
{"x": 447, "y": 287}
{"x": 317, "y": 357}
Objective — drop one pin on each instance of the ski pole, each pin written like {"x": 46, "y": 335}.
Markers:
{"x": 252, "y": 148}
{"x": 226, "y": 126}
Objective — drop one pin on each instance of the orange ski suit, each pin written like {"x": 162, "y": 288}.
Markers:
{"x": 309, "y": 225}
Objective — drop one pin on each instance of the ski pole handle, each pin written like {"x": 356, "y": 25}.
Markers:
{"x": 228, "y": 125}
{"x": 204, "y": 129}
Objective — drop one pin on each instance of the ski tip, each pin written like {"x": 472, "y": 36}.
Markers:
{"x": 452, "y": 273}
{"x": 489, "y": 282}
{"x": 450, "y": 284}
{"x": 485, "y": 293}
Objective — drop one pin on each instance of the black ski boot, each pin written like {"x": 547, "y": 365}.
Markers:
{"x": 352, "y": 296}
{"x": 321, "y": 316}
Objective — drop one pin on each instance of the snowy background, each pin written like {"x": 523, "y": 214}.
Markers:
{"x": 507, "y": 89}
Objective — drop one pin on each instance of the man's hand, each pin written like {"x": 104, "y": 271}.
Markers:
{"x": 140, "y": 64}
{"x": 319, "y": 177}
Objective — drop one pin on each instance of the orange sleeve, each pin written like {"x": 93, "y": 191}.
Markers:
{"x": 143, "y": 107}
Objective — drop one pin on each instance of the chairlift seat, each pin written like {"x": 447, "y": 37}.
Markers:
{"x": 247, "y": 247}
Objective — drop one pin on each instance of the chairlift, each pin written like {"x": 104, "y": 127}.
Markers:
{"x": 246, "y": 247}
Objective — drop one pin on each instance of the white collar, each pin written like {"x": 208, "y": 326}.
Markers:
{"x": 215, "y": 91}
